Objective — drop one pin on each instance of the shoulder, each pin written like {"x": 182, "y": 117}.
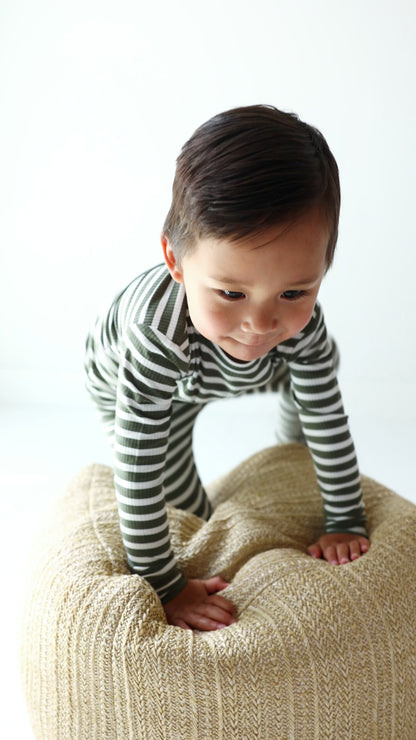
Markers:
{"x": 155, "y": 301}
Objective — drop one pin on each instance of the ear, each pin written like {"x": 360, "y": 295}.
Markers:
{"x": 170, "y": 260}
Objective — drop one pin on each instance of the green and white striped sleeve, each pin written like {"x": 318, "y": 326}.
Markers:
{"x": 147, "y": 378}
{"x": 325, "y": 425}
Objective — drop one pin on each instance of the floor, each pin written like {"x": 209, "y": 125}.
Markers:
{"x": 42, "y": 447}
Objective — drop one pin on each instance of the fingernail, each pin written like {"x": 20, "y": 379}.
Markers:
{"x": 221, "y": 626}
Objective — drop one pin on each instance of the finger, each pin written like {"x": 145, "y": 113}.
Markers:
{"x": 214, "y": 584}
{"x": 314, "y": 550}
{"x": 180, "y": 623}
{"x": 343, "y": 552}
{"x": 204, "y": 623}
{"x": 355, "y": 550}
{"x": 222, "y": 603}
{"x": 330, "y": 554}
{"x": 216, "y": 614}
{"x": 359, "y": 547}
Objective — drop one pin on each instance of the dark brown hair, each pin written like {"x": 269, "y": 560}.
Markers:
{"x": 249, "y": 169}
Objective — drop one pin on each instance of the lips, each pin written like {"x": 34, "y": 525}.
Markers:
{"x": 256, "y": 344}
{"x": 258, "y": 341}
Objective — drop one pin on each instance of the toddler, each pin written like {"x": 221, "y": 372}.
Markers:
{"x": 249, "y": 236}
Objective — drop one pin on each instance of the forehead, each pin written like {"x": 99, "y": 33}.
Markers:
{"x": 303, "y": 241}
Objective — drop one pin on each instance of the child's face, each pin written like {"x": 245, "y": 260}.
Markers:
{"x": 248, "y": 296}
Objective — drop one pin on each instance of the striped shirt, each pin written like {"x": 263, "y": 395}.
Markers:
{"x": 150, "y": 371}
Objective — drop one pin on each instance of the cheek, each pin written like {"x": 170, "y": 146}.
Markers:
{"x": 300, "y": 318}
{"x": 219, "y": 320}
{"x": 208, "y": 318}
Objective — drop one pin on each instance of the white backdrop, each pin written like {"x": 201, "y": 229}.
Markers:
{"x": 97, "y": 99}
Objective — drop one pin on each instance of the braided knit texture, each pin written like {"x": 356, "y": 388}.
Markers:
{"x": 319, "y": 652}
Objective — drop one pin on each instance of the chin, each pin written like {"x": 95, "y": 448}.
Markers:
{"x": 241, "y": 353}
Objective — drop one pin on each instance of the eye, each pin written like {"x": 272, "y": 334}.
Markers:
{"x": 293, "y": 295}
{"x": 231, "y": 295}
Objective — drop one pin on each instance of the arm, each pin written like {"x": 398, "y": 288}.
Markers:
{"x": 146, "y": 383}
{"x": 318, "y": 400}
{"x": 147, "y": 380}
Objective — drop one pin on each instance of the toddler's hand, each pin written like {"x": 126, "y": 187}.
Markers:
{"x": 339, "y": 548}
{"x": 200, "y": 607}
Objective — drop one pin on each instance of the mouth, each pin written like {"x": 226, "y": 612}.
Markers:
{"x": 254, "y": 344}
{"x": 246, "y": 352}
{"x": 258, "y": 342}
{"x": 251, "y": 351}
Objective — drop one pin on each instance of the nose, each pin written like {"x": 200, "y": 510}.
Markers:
{"x": 262, "y": 320}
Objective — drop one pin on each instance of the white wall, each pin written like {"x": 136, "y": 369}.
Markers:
{"x": 97, "y": 99}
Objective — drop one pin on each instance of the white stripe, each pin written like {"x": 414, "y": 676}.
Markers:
{"x": 322, "y": 379}
{"x": 162, "y": 304}
{"x": 133, "y": 450}
{"x": 334, "y": 447}
{"x": 337, "y": 496}
{"x": 185, "y": 447}
{"x": 315, "y": 413}
{"x": 340, "y": 510}
{"x": 324, "y": 371}
{"x": 149, "y": 383}
{"x": 335, "y": 460}
{"x": 124, "y": 516}
{"x": 176, "y": 313}
{"x": 143, "y": 560}
{"x": 144, "y": 530}
{"x": 139, "y": 469}
{"x": 316, "y": 396}
{"x": 181, "y": 499}
{"x": 160, "y": 339}
{"x": 326, "y": 431}
{"x": 178, "y": 481}
{"x": 127, "y": 416}
{"x": 186, "y": 418}
{"x": 338, "y": 473}
{"x": 153, "y": 545}
{"x": 157, "y": 369}
{"x": 138, "y": 486}
{"x": 129, "y": 434}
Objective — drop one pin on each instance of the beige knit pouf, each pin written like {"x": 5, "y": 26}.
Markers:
{"x": 319, "y": 651}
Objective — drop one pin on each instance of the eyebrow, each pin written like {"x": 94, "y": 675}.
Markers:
{"x": 232, "y": 281}
{"x": 225, "y": 279}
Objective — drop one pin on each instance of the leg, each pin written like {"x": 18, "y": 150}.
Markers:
{"x": 101, "y": 382}
{"x": 289, "y": 428}
{"x": 103, "y": 395}
{"x": 182, "y": 485}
